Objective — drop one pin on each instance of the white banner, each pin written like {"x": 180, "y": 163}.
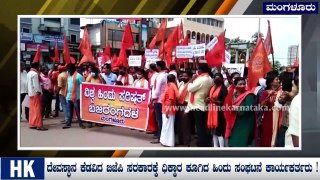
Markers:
{"x": 199, "y": 50}
{"x": 180, "y": 168}
{"x": 184, "y": 51}
{"x": 212, "y": 43}
{"x": 151, "y": 61}
{"x": 135, "y": 61}
{"x": 233, "y": 68}
{"x": 151, "y": 54}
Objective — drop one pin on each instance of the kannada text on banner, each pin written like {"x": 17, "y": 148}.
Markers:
{"x": 115, "y": 105}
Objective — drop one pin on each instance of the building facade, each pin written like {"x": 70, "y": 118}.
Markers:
{"x": 199, "y": 30}
{"x": 44, "y": 32}
{"x": 293, "y": 54}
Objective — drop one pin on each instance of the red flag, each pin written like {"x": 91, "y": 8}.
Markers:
{"x": 216, "y": 56}
{"x": 268, "y": 41}
{"x": 106, "y": 54}
{"x": 258, "y": 64}
{"x": 122, "y": 59}
{"x": 161, "y": 50}
{"x": 56, "y": 53}
{"x": 36, "y": 58}
{"x": 85, "y": 48}
{"x": 180, "y": 33}
{"x": 161, "y": 34}
{"x": 127, "y": 39}
{"x": 114, "y": 62}
{"x": 73, "y": 61}
{"x": 172, "y": 40}
{"x": 66, "y": 52}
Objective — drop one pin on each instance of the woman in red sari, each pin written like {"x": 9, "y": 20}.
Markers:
{"x": 268, "y": 99}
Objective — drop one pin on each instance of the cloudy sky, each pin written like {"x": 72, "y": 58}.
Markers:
{"x": 285, "y": 31}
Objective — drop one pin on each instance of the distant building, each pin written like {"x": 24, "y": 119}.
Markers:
{"x": 44, "y": 32}
{"x": 293, "y": 54}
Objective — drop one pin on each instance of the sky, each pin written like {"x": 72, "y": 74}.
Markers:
{"x": 285, "y": 31}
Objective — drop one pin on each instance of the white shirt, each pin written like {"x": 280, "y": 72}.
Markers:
{"x": 294, "y": 120}
{"x": 160, "y": 86}
{"x": 23, "y": 82}
{"x": 33, "y": 83}
{"x": 137, "y": 83}
{"x": 122, "y": 79}
{"x": 152, "y": 80}
{"x": 201, "y": 87}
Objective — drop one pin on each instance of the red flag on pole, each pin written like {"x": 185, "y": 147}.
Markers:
{"x": 172, "y": 40}
{"x": 85, "y": 48}
{"x": 122, "y": 59}
{"x": 106, "y": 54}
{"x": 36, "y": 58}
{"x": 127, "y": 39}
{"x": 258, "y": 64}
{"x": 114, "y": 62}
{"x": 268, "y": 41}
{"x": 56, "y": 53}
{"x": 161, "y": 49}
{"x": 161, "y": 34}
{"x": 216, "y": 56}
{"x": 180, "y": 33}
{"x": 66, "y": 52}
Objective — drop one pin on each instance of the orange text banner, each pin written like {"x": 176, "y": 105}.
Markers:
{"x": 115, "y": 105}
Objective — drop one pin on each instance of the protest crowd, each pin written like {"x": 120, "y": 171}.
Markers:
{"x": 203, "y": 101}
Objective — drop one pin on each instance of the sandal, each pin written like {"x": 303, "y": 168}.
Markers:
{"x": 42, "y": 129}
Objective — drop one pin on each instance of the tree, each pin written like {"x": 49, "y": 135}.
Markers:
{"x": 233, "y": 52}
{"x": 277, "y": 64}
{"x": 254, "y": 37}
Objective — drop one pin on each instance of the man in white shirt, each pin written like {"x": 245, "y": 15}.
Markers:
{"x": 159, "y": 88}
{"x": 35, "y": 92}
{"x": 23, "y": 85}
{"x": 141, "y": 82}
{"x": 199, "y": 88}
{"x": 124, "y": 77}
{"x": 293, "y": 132}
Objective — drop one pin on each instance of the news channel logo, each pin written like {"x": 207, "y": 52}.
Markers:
{"x": 290, "y": 7}
{"x": 22, "y": 168}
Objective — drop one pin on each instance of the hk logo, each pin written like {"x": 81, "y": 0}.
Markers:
{"x": 22, "y": 168}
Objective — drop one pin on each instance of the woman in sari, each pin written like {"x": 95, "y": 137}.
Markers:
{"x": 241, "y": 122}
{"x": 271, "y": 114}
{"x": 216, "y": 120}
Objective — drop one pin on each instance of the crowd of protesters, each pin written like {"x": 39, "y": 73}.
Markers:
{"x": 185, "y": 104}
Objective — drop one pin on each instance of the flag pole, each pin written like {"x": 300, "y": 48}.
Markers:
{"x": 259, "y": 29}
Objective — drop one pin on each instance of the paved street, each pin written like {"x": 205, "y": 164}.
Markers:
{"x": 107, "y": 136}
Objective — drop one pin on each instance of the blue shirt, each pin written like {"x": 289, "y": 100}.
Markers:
{"x": 110, "y": 79}
{"x": 78, "y": 82}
